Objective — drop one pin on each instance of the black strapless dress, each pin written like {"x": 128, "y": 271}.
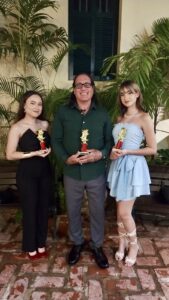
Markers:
{"x": 35, "y": 166}
{"x": 35, "y": 187}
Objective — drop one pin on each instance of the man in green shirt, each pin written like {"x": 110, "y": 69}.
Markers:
{"x": 84, "y": 126}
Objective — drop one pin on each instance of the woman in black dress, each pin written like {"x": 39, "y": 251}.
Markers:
{"x": 29, "y": 142}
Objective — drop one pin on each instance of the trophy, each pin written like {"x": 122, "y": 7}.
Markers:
{"x": 121, "y": 137}
{"x": 84, "y": 140}
{"x": 41, "y": 138}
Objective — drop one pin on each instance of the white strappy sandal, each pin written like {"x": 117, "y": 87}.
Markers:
{"x": 119, "y": 255}
{"x": 130, "y": 261}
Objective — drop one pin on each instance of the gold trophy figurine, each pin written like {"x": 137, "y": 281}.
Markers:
{"x": 121, "y": 137}
{"x": 84, "y": 140}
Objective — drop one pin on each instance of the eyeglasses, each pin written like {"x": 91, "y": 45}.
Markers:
{"x": 80, "y": 85}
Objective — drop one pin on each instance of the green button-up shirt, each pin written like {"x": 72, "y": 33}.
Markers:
{"x": 67, "y": 129}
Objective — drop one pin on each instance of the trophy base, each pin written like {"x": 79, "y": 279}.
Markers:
{"x": 82, "y": 153}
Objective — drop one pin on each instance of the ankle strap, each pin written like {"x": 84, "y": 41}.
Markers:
{"x": 120, "y": 224}
{"x": 122, "y": 234}
{"x": 131, "y": 234}
{"x": 133, "y": 242}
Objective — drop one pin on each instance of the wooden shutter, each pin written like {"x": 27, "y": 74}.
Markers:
{"x": 95, "y": 24}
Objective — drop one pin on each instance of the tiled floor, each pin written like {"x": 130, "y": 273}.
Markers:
{"x": 53, "y": 279}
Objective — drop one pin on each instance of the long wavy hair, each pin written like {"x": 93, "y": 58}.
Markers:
{"x": 22, "y": 101}
{"x": 72, "y": 99}
{"x": 132, "y": 86}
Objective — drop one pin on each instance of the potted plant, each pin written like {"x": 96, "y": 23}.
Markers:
{"x": 146, "y": 63}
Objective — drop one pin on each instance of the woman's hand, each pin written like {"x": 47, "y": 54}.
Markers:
{"x": 42, "y": 153}
{"x": 116, "y": 153}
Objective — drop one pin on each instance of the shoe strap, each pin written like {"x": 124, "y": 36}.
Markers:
{"x": 122, "y": 234}
{"x": 120, "y": 224}
{"x": 133, "y": 242}
{"x": 130, "y": 260}
{"x": 131, "y": 234}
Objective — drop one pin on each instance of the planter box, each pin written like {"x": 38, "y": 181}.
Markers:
{"x": 8, "y": 188}
{"x": 156, "y": 206}
{"x": 159, "y": 177}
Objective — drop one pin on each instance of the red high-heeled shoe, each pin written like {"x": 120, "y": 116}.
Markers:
{"x": 33, "y": 257}
{"x": 43, "y": 254}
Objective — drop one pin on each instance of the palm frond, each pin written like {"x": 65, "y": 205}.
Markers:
{"x": 10, "y": 87}
{"x": 42, "y": 4}
{"x": 53, "y": 100}
{"x": 109, "y": 62}
{"x": 107, "y": 98}
{"x": 5, "y": 114}
{"x": 57, "y": 59}
{"x": 29, "y": 83}
{"x": 28, "y": 28}
{"x": 55, "y": 38}
{"x": 16, "y": 86}
{"x": 38, "y": 59}
{"x": 160, "y": 30}
{"x": 6, "y": 6}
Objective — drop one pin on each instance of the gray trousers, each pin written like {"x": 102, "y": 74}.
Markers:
{"x": 74, "y": 191}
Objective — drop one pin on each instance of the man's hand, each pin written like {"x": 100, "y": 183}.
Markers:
{"x": 73, "y": 159}
{"x": 92, "y": 156}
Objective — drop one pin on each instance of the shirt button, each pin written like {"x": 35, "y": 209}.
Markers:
{"x": 83, "y": 122}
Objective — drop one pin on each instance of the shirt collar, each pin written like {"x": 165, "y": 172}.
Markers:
{"x": 92, "y": 106}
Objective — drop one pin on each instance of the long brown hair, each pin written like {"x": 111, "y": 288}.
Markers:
{"x": 23, "y": 99}
{"x": 132, "y": 86}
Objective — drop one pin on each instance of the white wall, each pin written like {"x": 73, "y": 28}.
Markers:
{"x": 61, "y": 78}
{"x": 137, "y": 15}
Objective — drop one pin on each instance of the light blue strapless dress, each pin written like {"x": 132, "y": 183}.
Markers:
{"x": 128, "y": 175}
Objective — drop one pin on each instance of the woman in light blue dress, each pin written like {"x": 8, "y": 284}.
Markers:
{"x": 128, "y": 176}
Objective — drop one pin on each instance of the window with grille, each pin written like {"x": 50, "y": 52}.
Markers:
{"x": 94, "y": 25}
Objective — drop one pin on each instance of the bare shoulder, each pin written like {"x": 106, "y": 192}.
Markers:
{"x": 146, "y": 121}
{"x": 44, "y": 124}
{"x": 16, "y": 127}
{"x": 15, "y": 131}
{"x": 145, "y": 117}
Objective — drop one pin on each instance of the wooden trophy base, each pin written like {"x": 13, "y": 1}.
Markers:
{"x": 81, "y": 153}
